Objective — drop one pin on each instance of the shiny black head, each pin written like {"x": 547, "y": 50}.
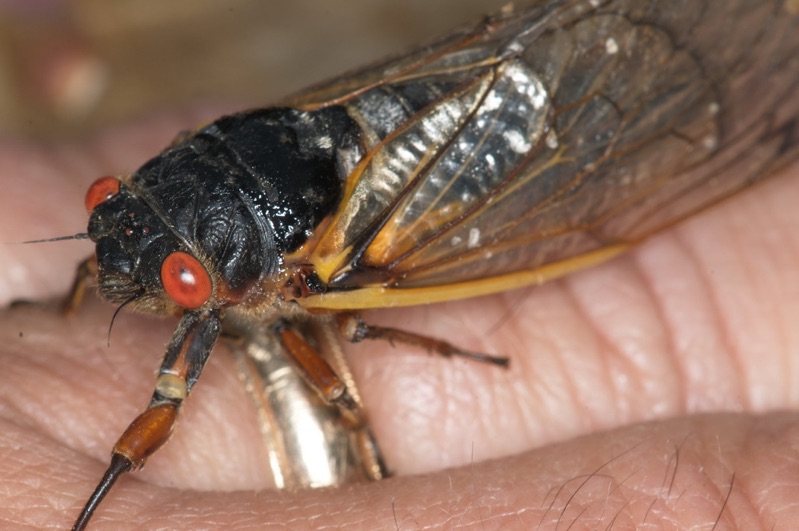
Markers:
{"x": 208, "y": 221}
{"x": 133, "y": 243}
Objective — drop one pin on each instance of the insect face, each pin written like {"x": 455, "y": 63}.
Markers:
{"x": 132, "y": 242}
{"x": 197, "y": 226}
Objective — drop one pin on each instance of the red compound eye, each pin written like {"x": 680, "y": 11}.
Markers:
{"x": 185, "y": 280}
{"x": 100, "y": 191}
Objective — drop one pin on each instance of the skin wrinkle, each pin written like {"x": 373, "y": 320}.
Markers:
{"x": 653, "y": 380}
{"x": 769, "y": 244}
{"x": 616, "y": 488}
{"x": 720, "y": 490}
{"x": 788, "y": 363}
{"x": 602, "y": 343}
{"x": 606, "y": 346}
{"x": 510, "y": 385}
{"x": 734, "y": 354}
{"x": 511, "y": 303}
{"x": 443, "y": 405}
{"x": 759, "y": 343}
{"x": 549, "y": 392}
{"x": 562, "y": 344}
{"x": 482, "y": 405}
{"x": 657, "y": 304}
{"x": 783, "y": 322}
{"x": 498, "y": 394}
{"x": 599, "y": 344}
{"x": 470, "y": 381}
{"x": 677, "y": 327}
{"x": 33, "y": 410}
{"x": 555, "y": 496}
{"x": 630, "y": 343}
{"x": 30, "y": 412}
{"x": 450, "y": 410}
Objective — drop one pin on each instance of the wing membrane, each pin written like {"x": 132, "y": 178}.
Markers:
{"x": 555, "y": 133}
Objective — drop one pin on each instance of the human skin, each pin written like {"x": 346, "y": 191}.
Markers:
{"x": 659, "y": 388}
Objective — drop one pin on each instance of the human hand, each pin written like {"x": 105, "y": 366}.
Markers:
{"x": 658, "y": 388}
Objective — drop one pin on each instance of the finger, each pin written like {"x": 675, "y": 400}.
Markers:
{"x": 430, "y": 414}
{"x": 735, "y": 470}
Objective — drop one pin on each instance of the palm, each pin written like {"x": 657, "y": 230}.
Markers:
{"x": 700, "y": 319}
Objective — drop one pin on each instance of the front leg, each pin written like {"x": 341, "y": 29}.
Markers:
{"x": 86, "y": 271}
{"x": 185, "y": 358}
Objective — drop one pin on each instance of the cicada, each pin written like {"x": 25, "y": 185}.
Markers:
{"x": 542, "y": 140}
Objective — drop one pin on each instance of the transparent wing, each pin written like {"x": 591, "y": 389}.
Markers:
{"x": 547, "y": 135}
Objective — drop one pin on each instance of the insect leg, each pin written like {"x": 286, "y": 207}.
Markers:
{"x": 320, "y": 375}
{"x": 354, "y": 329}
{"x": 364, "y": 440}
{"x": 185, "y": 358}
{"x": 309, "y": 442}
{"x": 318, "y": 372}
{"x": 87, "y": 269}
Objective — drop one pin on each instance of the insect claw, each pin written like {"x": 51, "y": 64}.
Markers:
{"x": 118, "y": 466}
{"x": 499, "y": 361}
